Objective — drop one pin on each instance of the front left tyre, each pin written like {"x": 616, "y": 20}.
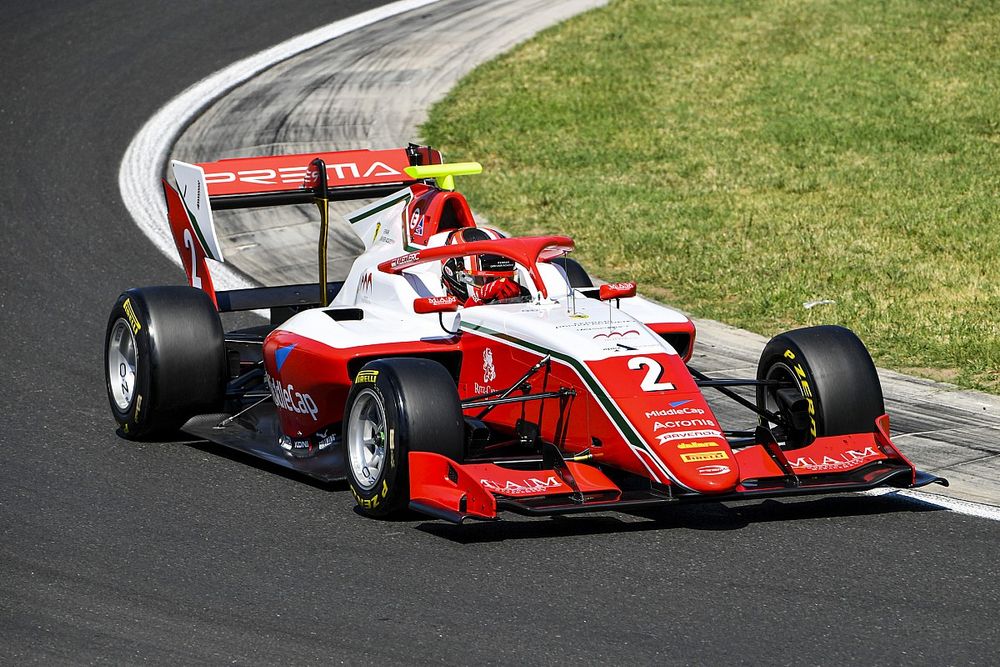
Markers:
{"x": 396, "y": 406}
{"x": 829, "y": 372}
{"x": 164, "y": 359}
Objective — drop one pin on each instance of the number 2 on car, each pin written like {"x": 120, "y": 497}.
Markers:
{"x": 651, "y": 381}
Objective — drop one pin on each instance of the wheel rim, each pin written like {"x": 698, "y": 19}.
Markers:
{"x": 122, "y": 358}
{"x": 787, "y": 378}
{"x": 366, "y": 439}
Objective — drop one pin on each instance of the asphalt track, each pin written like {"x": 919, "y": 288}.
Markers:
{"x": 171, "y": 552}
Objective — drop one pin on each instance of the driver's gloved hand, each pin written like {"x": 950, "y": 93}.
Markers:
{"x": 503, "y": 288}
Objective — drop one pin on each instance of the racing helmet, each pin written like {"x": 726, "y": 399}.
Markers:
{"x": 467, "y": 276}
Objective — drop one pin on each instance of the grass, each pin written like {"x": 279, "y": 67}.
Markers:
{"x": 739, "y": 159}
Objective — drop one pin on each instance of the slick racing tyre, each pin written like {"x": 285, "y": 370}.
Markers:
{"x": 827, "y": 384}
{"x": 396, "y": 406}
{"x": 164, "y": 359}
{"x": 575, "y": 272}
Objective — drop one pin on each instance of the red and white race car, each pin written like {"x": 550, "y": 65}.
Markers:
{"x": 565, "y": 397}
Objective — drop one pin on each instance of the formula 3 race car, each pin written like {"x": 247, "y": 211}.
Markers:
{"x": 570, "y": 397}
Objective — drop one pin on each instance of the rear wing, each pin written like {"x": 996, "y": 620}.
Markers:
{"x": 294, "y": 179}
{"x": 278, "y": 180}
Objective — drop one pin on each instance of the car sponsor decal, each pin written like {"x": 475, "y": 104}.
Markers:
{"x": 417, "y": 223}
{"x": 281, "y": 355}
{"x": 365, "y": 286}
{"x": 696, "y": 445}
{"x": 697, "y": 457}
{"x": 617, "y": 334}
{"x": 405, "y": 259}
{"x": 828, "y": 463}
{"x": 671, "y": 424}
{"x": 600, "y": 327}
{"x": 366, "y": 376}
{"x": 489, "y": 370}
{"x": 671, "y": 412}
{"x": 286, "y": 398}
{"x": 664, "y": 438}
{"x": 676, "y": 408}
{"x": 130, "y": 313}
{"x": 489, "y": 374}
{"x": 301, "y": 176}
{"x": 712, "y": 470}
{"x": 617, "y": 290}
{"x": 435, "y": 301}
{"x": 528, "y": 486}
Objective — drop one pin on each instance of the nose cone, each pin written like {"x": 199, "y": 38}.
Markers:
{"x": 666, "y": 410}
{"x": 713, "y": 477}
{"x": 705, "y": 463}
{"x": 687, "y": 439}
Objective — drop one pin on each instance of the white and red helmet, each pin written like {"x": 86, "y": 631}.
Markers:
{"x": 465, "y": 277}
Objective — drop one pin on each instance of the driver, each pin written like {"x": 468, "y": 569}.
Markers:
{"x": 479, "y": 279}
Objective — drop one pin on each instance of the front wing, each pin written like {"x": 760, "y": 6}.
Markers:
{"x": 445, "y": 489}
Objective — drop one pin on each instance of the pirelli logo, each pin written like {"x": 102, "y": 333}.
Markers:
{"x": 366, "y": 376}
{"x": 698, "y": 457}
{"x": 132, "y": 319}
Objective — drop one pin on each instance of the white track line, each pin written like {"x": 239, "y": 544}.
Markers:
{"x": 146, "y": 156}
{"x": 944, "y": 502}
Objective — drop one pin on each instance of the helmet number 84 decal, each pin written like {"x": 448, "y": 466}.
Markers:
{"x": 654, "y": 372}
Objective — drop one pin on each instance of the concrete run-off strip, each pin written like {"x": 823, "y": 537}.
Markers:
{"x": 371, "y": 88}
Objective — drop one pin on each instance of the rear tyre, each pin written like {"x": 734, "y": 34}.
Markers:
{"x": 397, "y": 406}
{"x": 164, "y": 359}
{"x": 831, "y": 369}
{"x": 575, "y": 272}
